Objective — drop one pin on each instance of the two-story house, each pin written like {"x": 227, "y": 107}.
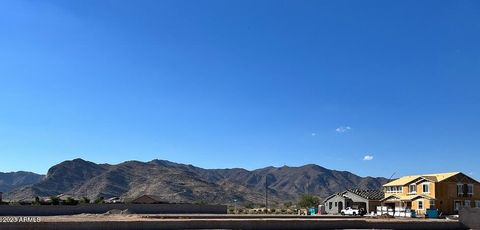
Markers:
{"x": 447, "y": 192}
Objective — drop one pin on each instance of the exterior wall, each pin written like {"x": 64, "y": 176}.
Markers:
{"x": 415, "y": 206}
{"x": 335, "y": 200}
{"x": 372, "y": 205}
{"x": 447, "y": 195}
{"x": 51, "y": 210}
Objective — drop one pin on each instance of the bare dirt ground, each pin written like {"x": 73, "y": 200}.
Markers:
{"x": 199, "y": 221}
{"x": 186, "y": 217}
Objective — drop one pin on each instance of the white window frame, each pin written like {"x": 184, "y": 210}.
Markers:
{"x": 455, "y": 207}
{"x": 431, "y": 203}
{"x": 410, "y": 189}
{"x": 470, "y": 186}
{"x": 459, "y": 190}
{"x": 477, "y": 204}
{"x": 423, "y": 204}
{"x": 423, "y": 187}
{"x": 394, "y": 189}
{"x": 399, "y": 189}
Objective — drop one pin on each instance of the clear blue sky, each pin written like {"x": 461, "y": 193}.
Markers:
{"x": 242, "y": 84}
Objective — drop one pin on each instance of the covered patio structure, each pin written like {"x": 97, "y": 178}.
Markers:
{"x": 397, "y": 205}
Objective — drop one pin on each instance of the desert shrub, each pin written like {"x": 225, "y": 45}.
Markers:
{"x": 54, "y": 200}
{"x": 70, "y": 201}
{"x": 99, "y": 200}
{"x": 200, "y": 202}
{"x": 308, "y": 201}
{"x": 84, "y": 200}
{"x": 249, "y": 205}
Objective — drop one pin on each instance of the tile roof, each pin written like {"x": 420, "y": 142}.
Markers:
{"x": 432, "y": 177}
{"x": 368, "y": 194}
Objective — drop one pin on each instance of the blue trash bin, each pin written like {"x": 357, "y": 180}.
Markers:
{"x": 432, "y": 213}
{"x": 413, "y": 214}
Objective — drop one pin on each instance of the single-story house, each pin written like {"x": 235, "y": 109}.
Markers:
{"x": 367, "y": 200}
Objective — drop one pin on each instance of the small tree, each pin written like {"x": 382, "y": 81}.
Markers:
{"x": 37, "y": 201}
{"x": 308, "y": 201}
{"x": 84, "y": 200}
{"x": 249, "y": 205}
{"x": 70, "y": 201}
{"x": 99, "y": 200}
{"x": 55, "y": 200}
{"x": 287, "y": 204}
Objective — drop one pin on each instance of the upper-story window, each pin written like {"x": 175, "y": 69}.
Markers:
{"x": 464, "y": 190}
{"x": 426, "y": 187}
{"x": 412, "y": 188}
{"x": 470, "y": 189}
{"x": 394, "y": 189}
{"x": 459, "y": 189}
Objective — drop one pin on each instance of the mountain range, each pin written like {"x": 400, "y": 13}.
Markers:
{"x": 13, "y": 180}
{"x": 176, "y": 182}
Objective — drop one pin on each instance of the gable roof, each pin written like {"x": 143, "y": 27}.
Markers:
{"x": 152, "y": 198}
{"x": 406, "y": 198}
{"x": 333, "y": 195}
{"x": 368, "y": 194}
{"x": 431, "y": 177}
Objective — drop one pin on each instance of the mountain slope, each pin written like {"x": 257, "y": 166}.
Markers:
{"x": 186, "y": 183}
{"x": 15, "y": 180}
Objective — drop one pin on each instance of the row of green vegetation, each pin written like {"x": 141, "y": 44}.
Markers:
{"x": 306, "y": 201}
{"x": 68, "y": 201}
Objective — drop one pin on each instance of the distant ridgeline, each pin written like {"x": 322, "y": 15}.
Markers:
{"x": 175, "y": 182}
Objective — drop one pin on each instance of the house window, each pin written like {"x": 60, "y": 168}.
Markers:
{"x": 413, "y": 188}
{"x": 426, "y": 187}
{"x": 459, "y": 190}
{"x": 329, "y": 205}
{"x": 467, "y": 204}
{"x": 457, "y": 205}
{"x": 394, "y": 189}
{"x": 432, "y": 204}
{"x": 336, "y": 204}
{"x": 470, "y": 190}
{"x": 420, "y": 204}
{"x": 477, "y": 203}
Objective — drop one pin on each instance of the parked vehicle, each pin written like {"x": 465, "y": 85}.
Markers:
{"x": 113, "y": 200}
{"x": 352, "y": 211}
